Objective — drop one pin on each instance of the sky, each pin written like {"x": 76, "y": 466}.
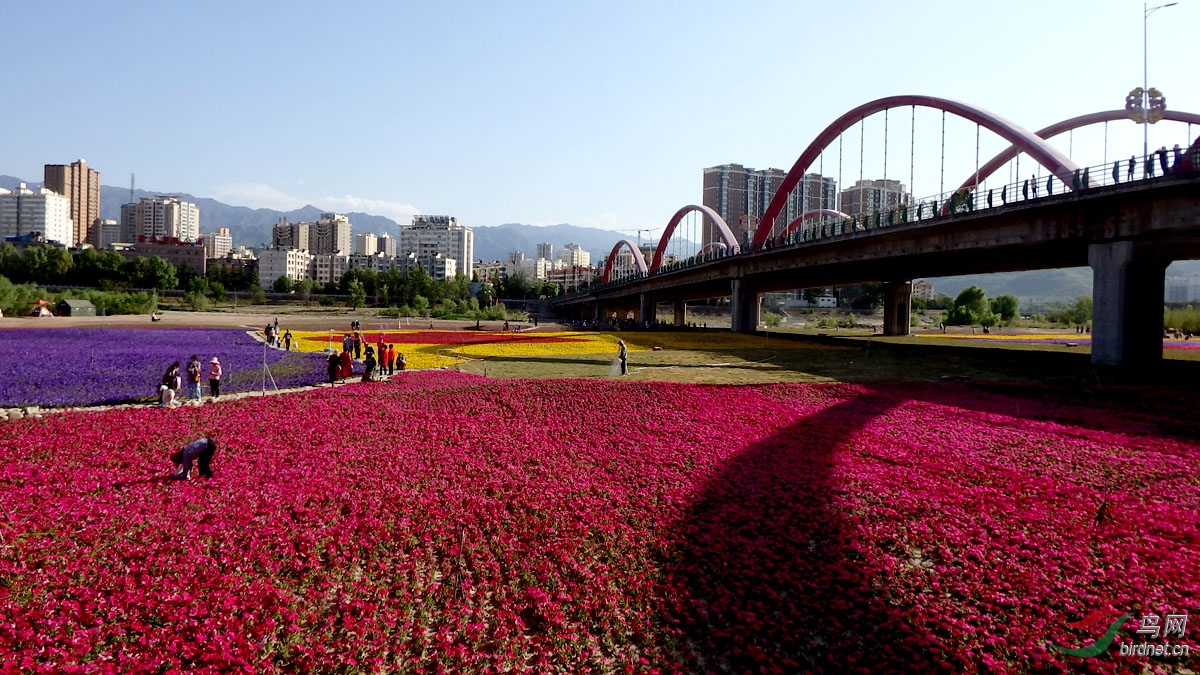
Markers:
{"x": 596, "y": 114}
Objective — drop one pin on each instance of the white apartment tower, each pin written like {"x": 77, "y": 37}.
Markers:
{"x": 162, "y": 216}
{"x": 545, "y": 251}
{"x": 574, "y": 256}
{"x": 432, "y": 237}
{"x": 217, "y": 244}
{"x": 366, "y": 244}
{"x": 44, "y": 211}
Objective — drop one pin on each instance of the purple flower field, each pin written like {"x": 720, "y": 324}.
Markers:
{"x": 88, "y": 366}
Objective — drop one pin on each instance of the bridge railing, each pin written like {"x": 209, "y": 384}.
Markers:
{"x": 1154, "y": 166}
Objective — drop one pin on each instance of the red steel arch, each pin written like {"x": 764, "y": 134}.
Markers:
{"x": 639, "y": 260}
{"x": 1028, "y": 142}
{"x": 993, "y": 164}
{"x": 808, "y": 215}
{"x": 727, "y": 236}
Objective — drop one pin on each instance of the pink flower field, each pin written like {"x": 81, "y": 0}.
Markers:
{"x": 446, "y": 523}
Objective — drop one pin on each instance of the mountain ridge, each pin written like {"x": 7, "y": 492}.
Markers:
{"x": 252, "y": 227}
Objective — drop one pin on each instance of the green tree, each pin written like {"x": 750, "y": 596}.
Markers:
{"x": 152, "y": 272}
{"x": 305, "y": 289}
{"x": 969, "y": 307}
{"x": 217, "y": 290}
{"x": 486, "y": 295}
{"x": 1006, "y": 306}
{"x": 549, "y": 289}
{"x": 368, "y": 278}
{"x": 420, "y": 305}
{"x": 358, "y": 294}
{"x": 282, "y": 285}
{"x": 46, "y": 264}
{"x": 520, "y": 284}
{"x": 93, "y": 267}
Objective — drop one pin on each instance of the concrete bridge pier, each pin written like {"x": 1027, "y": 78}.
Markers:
{"x": 744, "y": 307}
{"x": 680, "y": 313}
{"x": 897, "y": 307}
{"x": 647, "y": 309}
{"x": 1127, "y": 304}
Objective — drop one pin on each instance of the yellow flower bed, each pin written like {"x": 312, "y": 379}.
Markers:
{"x": 446, "y": 348}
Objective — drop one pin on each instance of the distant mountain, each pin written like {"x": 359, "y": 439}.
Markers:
{"x": 252, "y": 227}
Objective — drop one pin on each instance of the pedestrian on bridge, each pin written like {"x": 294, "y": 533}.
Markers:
{"x": 1132, "y": 163}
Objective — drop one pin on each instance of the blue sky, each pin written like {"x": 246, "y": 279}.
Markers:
{"x": 597, "y": 114}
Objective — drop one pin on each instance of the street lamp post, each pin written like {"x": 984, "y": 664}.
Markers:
{"x": 1150, "y": 103}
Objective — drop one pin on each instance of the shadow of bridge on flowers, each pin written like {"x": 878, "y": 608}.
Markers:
{"x": 767, "y": 571}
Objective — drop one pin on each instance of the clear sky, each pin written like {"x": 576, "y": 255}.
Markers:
{"x": 598, "y": 114}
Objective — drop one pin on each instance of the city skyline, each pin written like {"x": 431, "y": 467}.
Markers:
{"x": 545, "y": 113}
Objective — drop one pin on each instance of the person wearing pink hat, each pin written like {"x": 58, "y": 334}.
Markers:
{"x": 214, "y": 378}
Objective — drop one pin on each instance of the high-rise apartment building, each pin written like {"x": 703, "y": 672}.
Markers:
{"x": 869, "y": 196}
{"x": 290, "y": 235}
{"x": 366, "y": 243}
{"x": 330, "y": 234}
{"x": 574, "y": 256}
{"x": 740, "y": 195}
{"x": 161, "y": 216}
{"x": 24, "y": 212}
{"x": 432, "y": 237}
{"x": 386, "y": 244}
{"x": 81, "y": 186}
{"x": 217, "y": 244}
{"x": 545, "y": 251}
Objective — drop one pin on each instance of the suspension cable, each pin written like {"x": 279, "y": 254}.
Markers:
{"x": 942, "y": 179}
{"x": 912, "y": 147}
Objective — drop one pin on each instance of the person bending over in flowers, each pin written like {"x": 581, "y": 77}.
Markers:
{"x": 201, "y": 451}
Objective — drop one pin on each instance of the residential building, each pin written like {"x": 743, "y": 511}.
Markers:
{"x": 24, "y": 211}
{"x": 172, "y": 249}
{"x": 81, "y": 186}
{"x": 571, "y": 277}
{"x": 545, "y": 251}
{"x": 432, "y": 237}
{"x": 330, "y": 234}
{"x": 516, "y": 257}
{"x": 371, "y": 261}
{"x": 328, "y": 268}
{"x": 162, "y": 216}
{"x": 437, "y": 265}
{"x": 573, "y": 255}
{"x": 870, "y": 196}
{"x": 1182, "y": 289}
{"x": 107, "y": 233}
{"x": 740, "y": 195}
{"x": 386, "y": 244}
{"x": 496, "y": 270}
{"x": 217, "y": 244}
{"x": 922, "y": 289}
{"x": 537, "y": 267}
{"x": 366, "y": 244}
{"x": 274, "y": 263}
{"x": 290, "y": 235}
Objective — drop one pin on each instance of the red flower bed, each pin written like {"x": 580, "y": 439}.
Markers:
{"x": 456, "y": 524}
{"x": 442, "y": 337}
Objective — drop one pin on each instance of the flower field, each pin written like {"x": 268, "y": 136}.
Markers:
{"x": 441, "y": 348}
{"x": 89, "y": 366}
{"x": 446, "y": 523}
{"x": 1060, "y": 339}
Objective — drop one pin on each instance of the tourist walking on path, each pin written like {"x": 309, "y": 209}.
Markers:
{"x": 193, "y": 379}
{"x": 391, "y": 359}
{"x": 357, "y": 345}
{"x": 623, "y": 356}
{"x": 214, "y": 378}
{"x": 287, "y": 340}
{"x": 201, "y": 451}
{"x": 333, "y": 368}
{"x": 347, "y": 343}
{"x": 347, "y": 366}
